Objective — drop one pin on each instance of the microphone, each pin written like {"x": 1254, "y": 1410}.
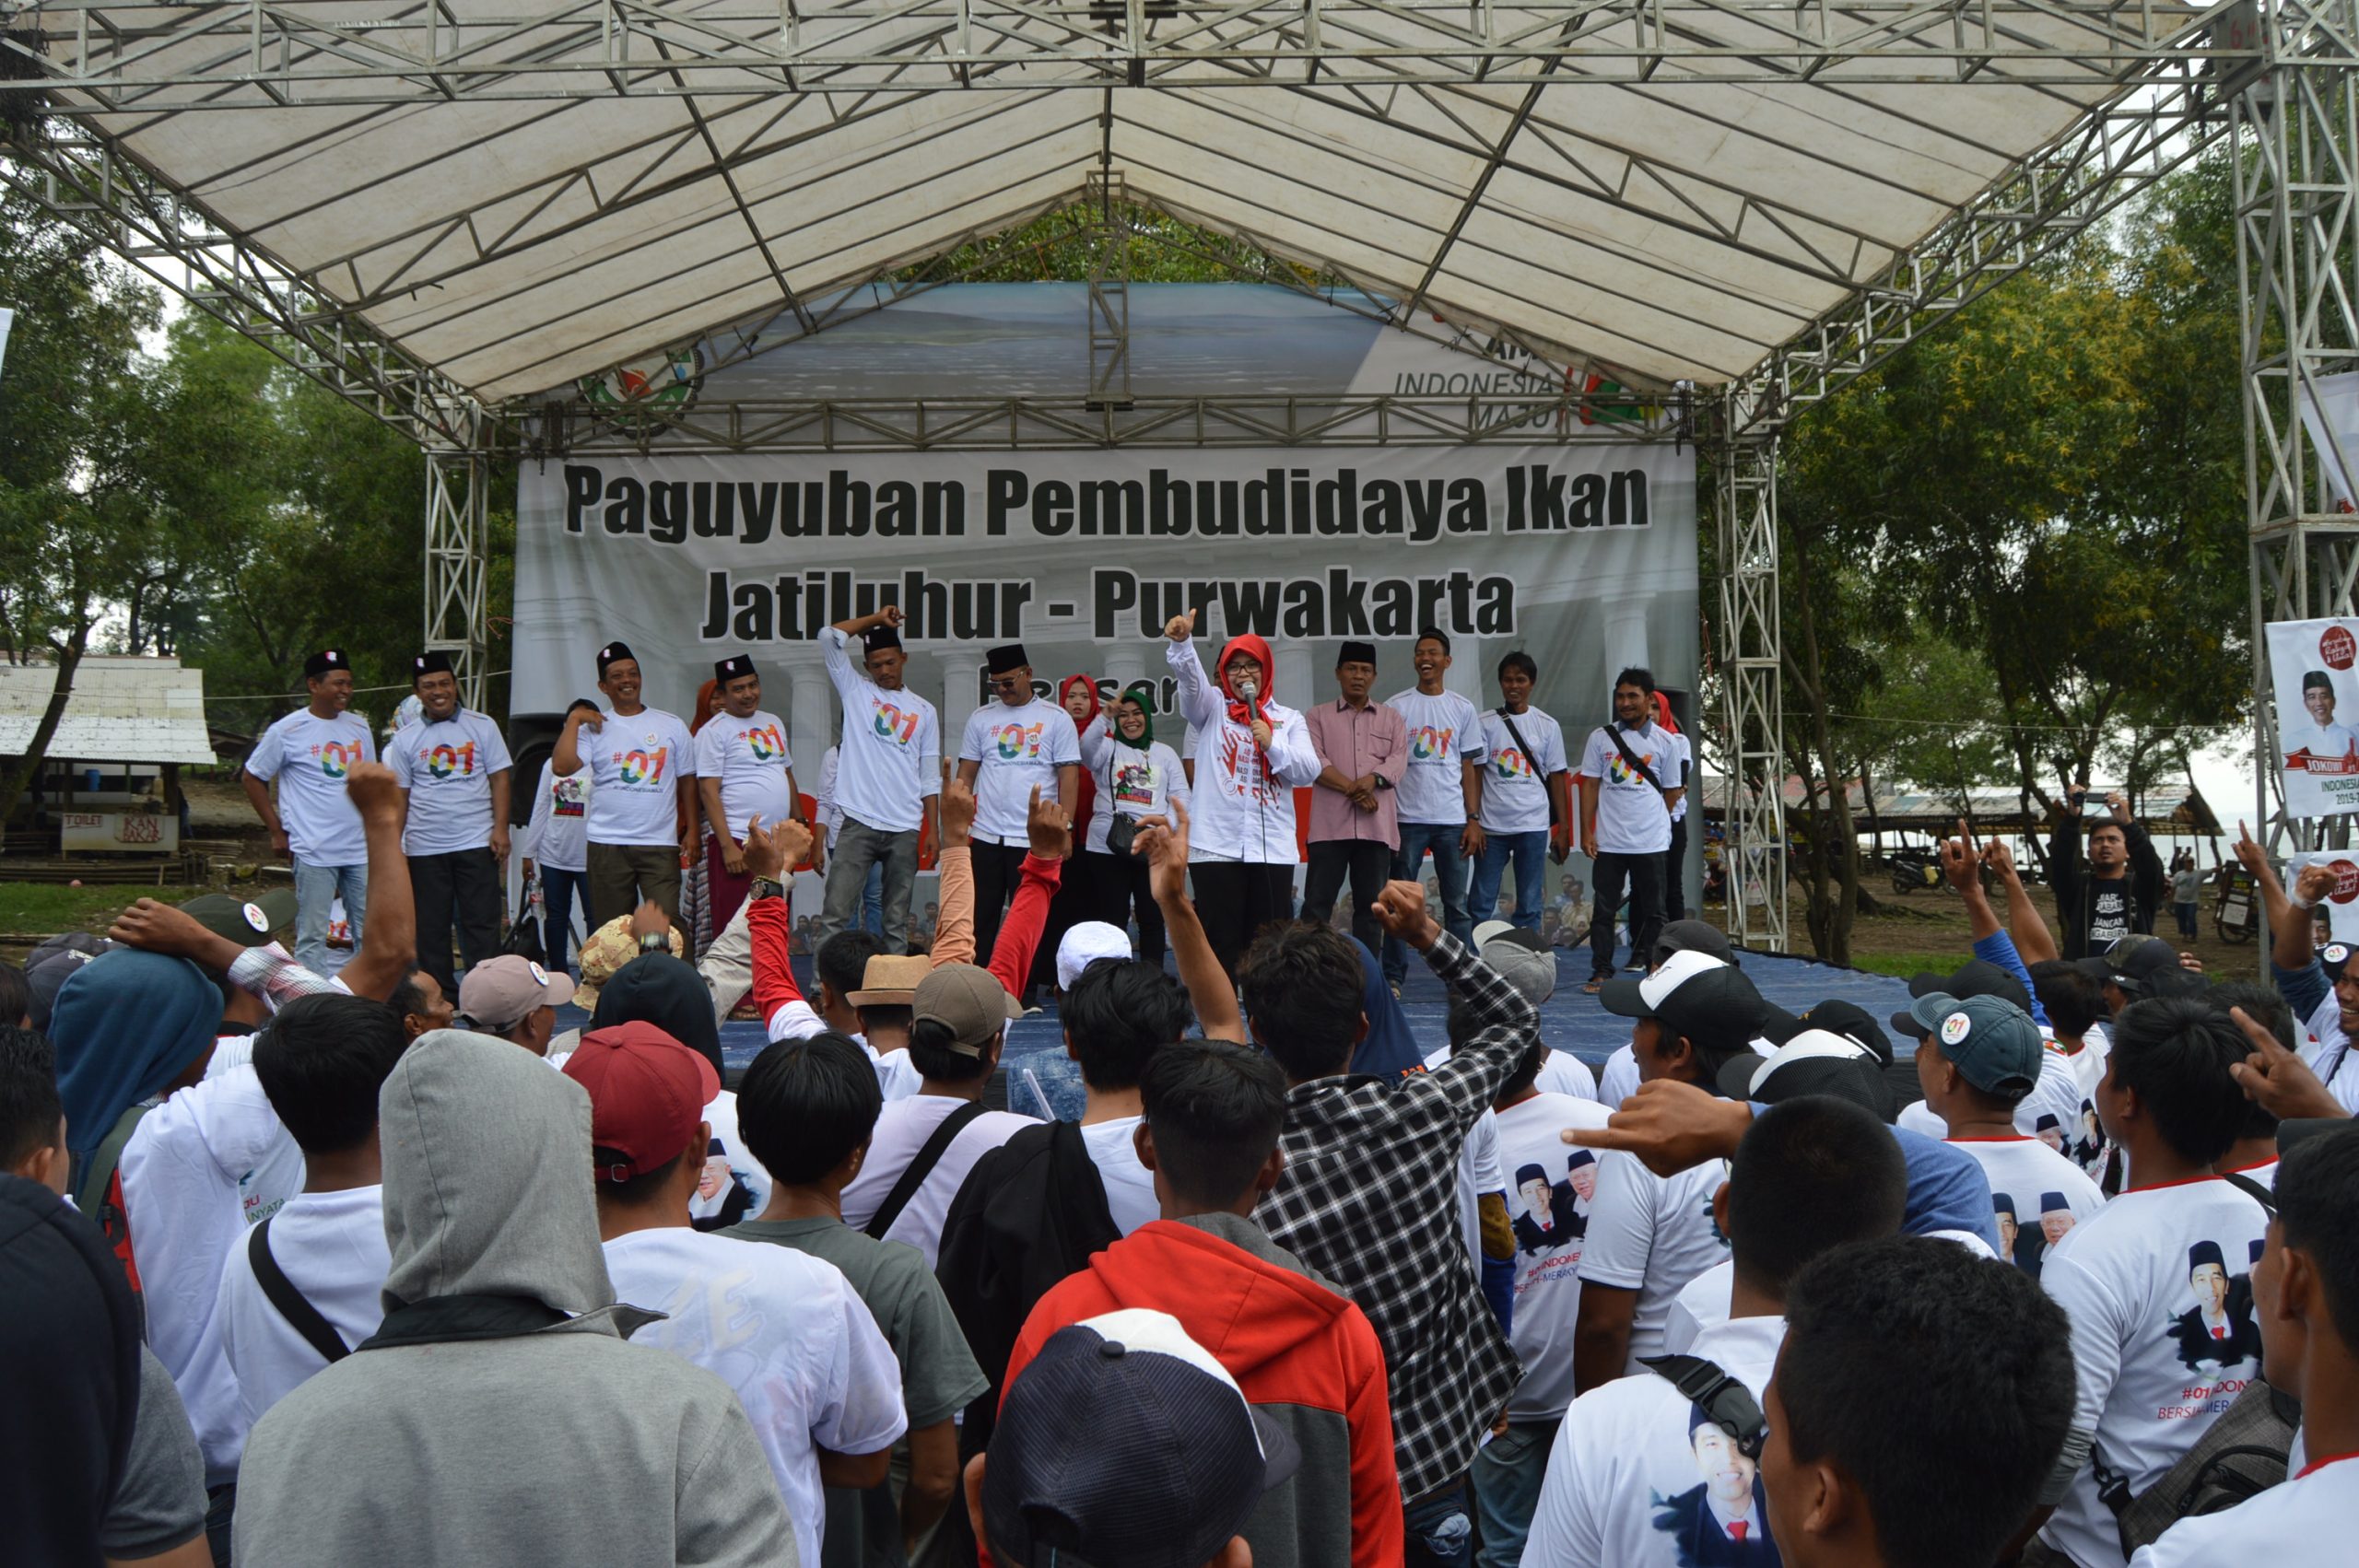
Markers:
{"x": 1248, "y": 688}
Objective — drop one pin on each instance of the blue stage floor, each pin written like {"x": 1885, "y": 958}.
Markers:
{"x": 1572, "y": 1021}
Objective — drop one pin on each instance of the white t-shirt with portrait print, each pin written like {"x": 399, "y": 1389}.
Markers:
{"x": 1016, "y": 750}
{"x": 1515, "y": 787}
{"x": 1445, "y": 733}
{"x": 1651, "y": 1234}
{"x": 2027, "y": 1173}
{"x": 635, "y": 764}
{"x": 311, "y": 757}
{"x": 1631, "y": 817}
{"x": 783, "y": 1328}
{"x": 2158, "y": 1290}
{"x": 749, "y": 756}
{"x": 558, "y": 835}
{"x": 2057, "y": 1095}
{"x": 1639, "y": 1478}
{"x": 1134, "y": 780}
{"x": 1549, "y": 1215}
{"x": 891, "y": 753}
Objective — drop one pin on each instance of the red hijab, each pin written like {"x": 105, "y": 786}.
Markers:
{"x": 1664, "y": 720}
{"x": 1238, "y": 708}
{"x": 1085, "y": 798}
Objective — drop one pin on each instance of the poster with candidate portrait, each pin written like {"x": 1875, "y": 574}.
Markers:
{"x": 2312, "y": 678}
{"x": 2341, "y": 901}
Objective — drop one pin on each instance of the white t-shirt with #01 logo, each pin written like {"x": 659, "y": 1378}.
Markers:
{"x": 1631, "y": 816}
{"x": 310, "y": 756}
{"x": 1015, "y": 748}
{"x": 1515, "y": 787}
{"x": 749, "y": 756}
{"x": 1445, "y": 733}
{"x": 635, "y": 764}
{"x": 447, "y": 769}
{"x": 891, "y": 757}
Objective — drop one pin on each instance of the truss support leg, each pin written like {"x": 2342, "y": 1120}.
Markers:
{"x": 457, "y": 533}
{"x": 1753, "y": 816}
{"x": 1109, "y": 292}
{"x": 2296, "y": 192}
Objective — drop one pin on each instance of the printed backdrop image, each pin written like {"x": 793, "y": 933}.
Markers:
{"x": 1583, "y": 555}
{"x": 2316, "y": 692}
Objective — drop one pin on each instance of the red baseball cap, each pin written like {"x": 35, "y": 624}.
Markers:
{"x": 647, "y": 1094}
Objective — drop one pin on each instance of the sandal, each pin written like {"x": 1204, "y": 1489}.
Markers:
{"x": 1595, "y": 984}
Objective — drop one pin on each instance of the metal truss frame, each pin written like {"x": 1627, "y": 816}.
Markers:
{"x": 1750, "y": 667}
{"x": 148, "y": 55}
{"x": 2298, "y": 298}
{"x": 458, "y": 541}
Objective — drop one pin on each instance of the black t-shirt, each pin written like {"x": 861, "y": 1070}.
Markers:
{"x": 2109, "y": 912}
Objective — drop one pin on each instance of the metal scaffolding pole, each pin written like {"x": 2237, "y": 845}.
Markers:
{"x": 1752, "y": 815}
{"x": 458, "y": 483}
{"x": 1109, "y": 292}
{"x": 2298, "y": 130}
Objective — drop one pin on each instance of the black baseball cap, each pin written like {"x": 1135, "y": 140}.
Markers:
{"x": 1693, "y": 995}
{"x": 1975, "y": 977}
{"x": 2149, "y": 966}
{"x": 2333, "y": 957}
{"x": 1124, "y": 1443}
{"x": 1815, "y": 1062}
{"x": 1836, "y": 1016}
{"x": 249, "y": 923}
{"x": 1694, "y": 936}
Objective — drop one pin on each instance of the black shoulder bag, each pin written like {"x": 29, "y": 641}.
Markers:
{"x": 1711, "y": 1389}
{"x": 1534, "y": 763}
{"x": 300, "y": 1315}
{"x": 928, "y": 1156}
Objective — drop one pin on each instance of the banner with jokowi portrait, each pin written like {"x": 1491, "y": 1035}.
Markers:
{"x": 2312, "y": 678}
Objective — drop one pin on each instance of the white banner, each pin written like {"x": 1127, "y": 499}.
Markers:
{"x": 2341, "y": 902}
{"x": 2330, "y": 416}
{"x": 7, "y": 318}
{"x": 1582, "y": 555}
{"x": 2316, "y": 692}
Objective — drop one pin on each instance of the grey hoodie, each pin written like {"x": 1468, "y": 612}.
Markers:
{"x": 553, "y": 1443}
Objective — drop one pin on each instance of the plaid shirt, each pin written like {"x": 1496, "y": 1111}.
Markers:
{"x": 1369, "y": 1199}
{"x": 271, "y": 973}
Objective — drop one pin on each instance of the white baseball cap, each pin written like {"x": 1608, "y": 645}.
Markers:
{"x": 1085, "y": 945}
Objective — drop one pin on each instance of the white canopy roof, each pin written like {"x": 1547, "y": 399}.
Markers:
{"x": 1677, "y": 228}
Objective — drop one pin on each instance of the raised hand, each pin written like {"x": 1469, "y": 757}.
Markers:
{"x": 2313, "y": 882}
{"x": 161, "y": 927}
{"x": 1048, "y": 827}
{"x": 1959, "y": 862}
{"x": 1401, "y": 911}
{"x": 2276, "y": 1080}
{"x": 373, "y": 790}
{"x": 1164, "y": 842}
{"x": 1999, "y": 859}
{"x": 648, "y": 919}
{"x": 957, "y": 814}
{"x": 1180, "y": 628}
{"x": 2252, "y": 856}
{"x": 764, "y": 855}
{"x": 793, "y": 838}
{"x": 1670, "y": 1126}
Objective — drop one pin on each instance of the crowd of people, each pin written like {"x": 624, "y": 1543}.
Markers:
{"x": 2055, "y": 1265}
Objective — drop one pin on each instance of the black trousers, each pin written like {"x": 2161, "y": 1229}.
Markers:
{"x": 1237, "y": 898}
{"x": 1369, "y": 862}
{"x": 465, "y": 882}
{"x": 1643, "y": 876}
{"x": 1118, "y": 886}
{"x": 999, "y": 872}
{"x": 1674, "y": 874}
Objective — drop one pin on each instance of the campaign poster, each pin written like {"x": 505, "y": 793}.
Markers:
{"x": 2316, "y": 690}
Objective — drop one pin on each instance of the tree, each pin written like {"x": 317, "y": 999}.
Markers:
{"x": 76, "y": 501}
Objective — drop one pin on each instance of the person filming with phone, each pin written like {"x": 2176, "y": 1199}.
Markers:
{"x": 2116, "y": 893}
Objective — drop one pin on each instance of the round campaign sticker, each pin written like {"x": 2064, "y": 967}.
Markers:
{"x": 540, "y": 976}
{"x": 2346, "y": 880}
{"x": 2334, "y": 952}
{"x": 257, "y": 918}
{"x": 1955, "y": 1028}
{"x": 2338, "y": 648}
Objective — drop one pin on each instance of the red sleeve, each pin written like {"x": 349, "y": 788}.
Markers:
{"x": 1028, "y": 914}
{"x": 1378, "y": 1532}
{"x": 767, "y": 927}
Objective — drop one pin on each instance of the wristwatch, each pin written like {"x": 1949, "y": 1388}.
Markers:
{"x": 655, "y": 942}
{"x": 764, "y": 888}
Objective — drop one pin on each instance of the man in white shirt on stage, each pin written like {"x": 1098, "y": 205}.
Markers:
{"x": 1012, "y": 746}
{"x": 888, "y": 776}
{"x": 308, "y": 752}
{"x": 2323, "y": 741}
{"x": 1626, "y": 807}
{"x": 1440, "y": 793}
{"x": 642, "y": 801}
{"x": 743, "y": 771}
{"x": 453, "y": 767}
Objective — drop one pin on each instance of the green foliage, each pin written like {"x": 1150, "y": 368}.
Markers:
{"x": 1066, "y": 245}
